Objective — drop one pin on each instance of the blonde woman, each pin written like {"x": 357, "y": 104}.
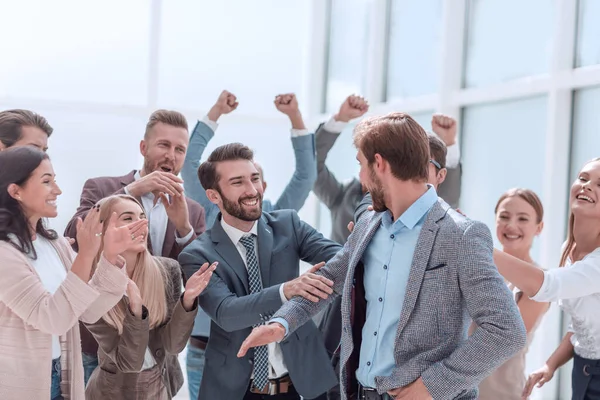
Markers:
{"x": 139, "y": 339}
{"x": 576, "y": 287}
{"x": 46, "y": 288}
{"x": 519, "y": 219}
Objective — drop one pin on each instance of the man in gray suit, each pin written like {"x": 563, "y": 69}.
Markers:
{"x": 412, "y": 275}
{"x": 258, "y": 255}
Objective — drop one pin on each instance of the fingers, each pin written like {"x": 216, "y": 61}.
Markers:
{"x": 316, "y": 267}
{"x": 169, "y": 185}
{"x": 253, "y": 340}
{"x": 138, "y": 228}
{"x": 318, "y": 288}
{"x": 79, "y": 224}
{"x": 70, "y": 240}
{"x": 533, "y": 379}
{"x": 350, "y": 226}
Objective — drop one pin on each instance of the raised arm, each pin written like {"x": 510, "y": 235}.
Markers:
{"x": 579, "y": 279}
{"x": 500, "y": 332}
{"x": 203, "y": 132}
{"x": 445, "y": 127}
{"x": 327, "y": 188}
{"x": 305, "y": 175}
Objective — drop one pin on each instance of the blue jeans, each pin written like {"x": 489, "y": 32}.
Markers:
{"x": 55, "y": 393}
{"x": 194, "y": 364}
{"x": 90, "y": 362}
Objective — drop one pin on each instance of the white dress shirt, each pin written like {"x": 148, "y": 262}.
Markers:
{"x": 452, "y": 156}
{"x": 156, "y": 214}
{"x": 52, "y": 273}
{"x": 277, "y": 367}
{"x": 576, "y": 286}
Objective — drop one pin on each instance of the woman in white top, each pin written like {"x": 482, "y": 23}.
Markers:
{"x": 45, "y": 288}
{"x": 576, "y": 287}
{"x": 140, "y": 338}
{"x": 519, "y": 219}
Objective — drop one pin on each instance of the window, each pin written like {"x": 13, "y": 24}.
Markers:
{"x": 585, "y": 141}
{"x": 502, "y": 148}
{"x": 507, "y": 39}
{"x": 254, "y": 52}
{"x": 347, "y": 50}
{"x": 588, "y": 32}
{"x": 414, "y": 48}
{"x": 76, "y": 51}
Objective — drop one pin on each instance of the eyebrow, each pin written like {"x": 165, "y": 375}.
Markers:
{"x": 47, "y": 174}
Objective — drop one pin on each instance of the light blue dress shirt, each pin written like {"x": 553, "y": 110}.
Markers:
{"x": 387, "y": 263}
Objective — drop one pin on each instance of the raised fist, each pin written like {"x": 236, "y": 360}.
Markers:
{"x": 226, "y": 103}
{"x": 445, "y": 127}
{"x": 287, "y": 103}
{"x": 353, "y": 107}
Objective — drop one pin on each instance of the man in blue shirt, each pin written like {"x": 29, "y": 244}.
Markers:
{"x": 412, "y": 276}
{"x": 293, "y": 196}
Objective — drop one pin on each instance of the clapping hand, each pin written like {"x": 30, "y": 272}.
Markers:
{"x": 196, "y": 284}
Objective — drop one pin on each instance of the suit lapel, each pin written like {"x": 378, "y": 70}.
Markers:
{"x": 227, "y": 250}
{"x": 265, "y": 248}
{"x": 169, "y": 241}
{"x": 420, "y": 259}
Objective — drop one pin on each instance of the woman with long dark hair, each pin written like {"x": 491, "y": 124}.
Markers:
{"x": 45, "y": 287}
{"x": 576, "y": 287}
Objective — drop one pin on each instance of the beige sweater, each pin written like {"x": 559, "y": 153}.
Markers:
{"x": 29, "y": 316}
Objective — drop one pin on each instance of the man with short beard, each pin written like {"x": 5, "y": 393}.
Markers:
{"x": 258, "y": 254}
{"x": 173, "y": 219}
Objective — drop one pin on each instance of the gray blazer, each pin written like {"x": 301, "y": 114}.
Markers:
{"x": 452, "y": 280}
{"x": 343, "y": 198}
{"x": 283, "y": 240}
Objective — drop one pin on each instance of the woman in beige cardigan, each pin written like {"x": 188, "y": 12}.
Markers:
{"x": 45, "y": 288}
{"x": 140, "y": 338}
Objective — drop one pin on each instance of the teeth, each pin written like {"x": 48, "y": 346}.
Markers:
{"x": 512, "y": 236}
{"x": 250, "y": 203}
{"x": 51, "y": 202}
{"x": 584, "y": 197}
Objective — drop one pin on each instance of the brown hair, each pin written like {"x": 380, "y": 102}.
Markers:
{"x": 207, "y": 173}
{"x": 529, "y": 196}
{"x": 398, "y": 139}
{"x": 169, "y": 117}
{"x": 437, "y": 149}
{"x": 570, "y": 243}
{"x": 13, "y": 121}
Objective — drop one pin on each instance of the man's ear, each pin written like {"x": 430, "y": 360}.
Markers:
{"x": 143, "y": 147}
{"x": 213, "y": 196}
{"x": 441, "y": 175}
{"x": 264, "y": 186}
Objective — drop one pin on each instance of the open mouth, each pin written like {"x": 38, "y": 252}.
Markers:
{"x": 250, "y": 202}
{"x": 51, "y": 202}
{"x": 583, "y": 197}
{"x": 165, "y": 168}
{"x": 512, "y": 236}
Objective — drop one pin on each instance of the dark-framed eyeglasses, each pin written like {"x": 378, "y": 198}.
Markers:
{"x": 435, "y": 163}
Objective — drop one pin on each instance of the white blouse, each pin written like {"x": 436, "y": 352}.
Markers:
{"x": 576, "y": 286}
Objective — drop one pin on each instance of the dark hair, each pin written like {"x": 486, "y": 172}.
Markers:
{"x": 398, "y": 139}
{"x": 529, "y": 196}
{"x": 437, "y": 149}
{"x": 16, "y": 166}
{"x": 207, "y": 173}
{"x": 169, "y": 117}
{"x": 13, "y": 121}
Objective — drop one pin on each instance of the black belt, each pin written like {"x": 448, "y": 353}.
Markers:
{"x": 366, "y": 393}
{"x": 199, "y": 342}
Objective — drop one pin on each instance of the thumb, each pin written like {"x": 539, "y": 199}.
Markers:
{"x": 316, "y": 267}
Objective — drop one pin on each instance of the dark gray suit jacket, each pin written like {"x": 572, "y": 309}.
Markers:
{"x": 283, "y": 239}
{"x": 452, "y": 281}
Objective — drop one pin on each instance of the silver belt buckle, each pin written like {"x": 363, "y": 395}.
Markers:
{"x": 272, "y": 388}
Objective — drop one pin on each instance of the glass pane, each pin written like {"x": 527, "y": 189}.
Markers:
{"x": 501, "y": 155}
{"x": 414, "y": 48}
{"x": 76, "y": 50}
{"x": 507, "y": 39}
{"x": 585, "y": 143}
{"x": 254, "y": 52}
{"x": 347, "y": 50}
{"x": 588, "y": 32}
{"x": 424, "y": 119}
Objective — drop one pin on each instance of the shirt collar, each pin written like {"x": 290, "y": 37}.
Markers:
{"x": 415, "y": 213}
{"x": 234, "y": 233}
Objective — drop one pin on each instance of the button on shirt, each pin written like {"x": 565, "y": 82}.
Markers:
{"x": 277, "y": 367}
{"x": 387, "y": 263}
{"x": 158, "y": 221}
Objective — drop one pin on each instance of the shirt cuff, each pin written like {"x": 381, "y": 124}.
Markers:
{"x": 334, "y": 126}
{"x": 185, "y": 239}
{"x": 282, "y": 322}
{"x": 542, "y": 294}
{"x": 211, "y": 124}
{"x": 283, "y": 298}
{"x": 299, "y": 132}
{"x": 453, "y": 156}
